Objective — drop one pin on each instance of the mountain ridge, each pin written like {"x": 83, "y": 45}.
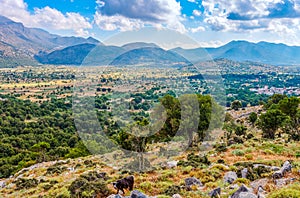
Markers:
{"x": 18, "y": 42}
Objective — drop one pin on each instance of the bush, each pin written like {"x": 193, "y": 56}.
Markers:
{"x": 89, "y": 185}
{"x": 238, "y": 152}
{"x": 249, "y": 156}
{"x": 240, "y": 181}
{"x": 172, "y": 190}
{"x": 292, "y": 191}
{"x": 24, "y": 183}
{"x": 56, "y": 169}
{"x": 194, "y": 161}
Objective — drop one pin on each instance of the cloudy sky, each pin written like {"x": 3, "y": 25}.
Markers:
{"x": 209, "y": 22}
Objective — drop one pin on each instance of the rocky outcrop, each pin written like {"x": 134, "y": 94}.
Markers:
{"x": 192, "y": 181}
{"x": 215, "y": 193}
{"x": 230, "y": 177}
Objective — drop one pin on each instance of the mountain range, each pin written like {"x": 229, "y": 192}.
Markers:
{"x": 20, "y": 45}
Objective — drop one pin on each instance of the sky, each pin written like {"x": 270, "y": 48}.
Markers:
{"x": 210, "y": 22}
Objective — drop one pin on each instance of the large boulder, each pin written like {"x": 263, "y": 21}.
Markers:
{"x": 259, "y": 182}
{"x": 215, "y": 193}
{"x": 286, "y": 167}
{"x": 137, "y": 194}
{"x": 230, "y": 177}
{"x": 192, "y": 181}
{"x": 244, "y": 172}
{"x": 247, "y": 195}
{"x": 243, "y": 189}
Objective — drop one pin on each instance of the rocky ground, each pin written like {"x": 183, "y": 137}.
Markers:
{"x": 256, "y": 168}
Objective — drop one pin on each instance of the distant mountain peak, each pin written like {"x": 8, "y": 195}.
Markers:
{"x": 137, "y": 45}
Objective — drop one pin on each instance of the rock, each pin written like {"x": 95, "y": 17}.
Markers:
{"x": 115, "y": 196}
{"x": 172, "y": 164}
{"x": 259, "y": 182}
{"x": 230, "y": 177}
{"x": 260, "y": 165}
{"x": 215, "y": 193}
{"x": 176, "y": 196}
{"x": 261, "y": 192}
{"x": 286, "y": 167}
{"x": 233, "y": 186}
{"x": 237, "y": 193}
{"x": 277, "y": 174}
{"x": 189, "y": 182}
{"x": 282, "y": 182}
{"x": 244, "y": 172}
{"x": 2, "y": 184}
{"x": 71, "y": 169}
{"x": 137, "y": 194}
{"x": 247, "y": 195}
{"x": 275, "y": 168}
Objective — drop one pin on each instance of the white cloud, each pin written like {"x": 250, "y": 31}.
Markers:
{"x": 120, "y": 14}
{"x": 276, "y": 16}
{"x": 117, "y": 22}
{"x": 197, "y": 29}
{"x": 47, "y": 18}
{"x": 197, "y": 13}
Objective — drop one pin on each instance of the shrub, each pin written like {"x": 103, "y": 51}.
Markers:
{"x": 146, "y": 186}
{"x": 220, "y": 167}
{"x": 242, "y": 181}
{"x": 89, "y": 185}
{"x": 55, "y": 169}
{"x": 238, "y": 152}
{"x": 292, "y": 191}
{"x": 24, "y": 183}
{"x": 172, "y": 190}
{"x": 194, "y": 161}
{"x": 249, "y": 156}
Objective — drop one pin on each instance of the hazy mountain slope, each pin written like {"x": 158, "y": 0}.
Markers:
{"x": 18, "y": 42}
{"x": 263, "y": 52}
{"x": 87, "y": 54}
{"x": 150, "y": 56}
{"x": 137, "y": 45}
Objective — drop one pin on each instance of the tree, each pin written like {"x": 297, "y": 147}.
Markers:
{"x": 41, "y": 148}
{"x": 236, "y": 105}
{"x": 270, "y": 122}
{"x": 253, "y": 118}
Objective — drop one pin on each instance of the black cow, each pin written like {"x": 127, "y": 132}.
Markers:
{"x": 124, "y": 183}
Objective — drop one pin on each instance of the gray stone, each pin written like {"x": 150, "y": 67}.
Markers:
{"x": 172, "y": 164}
{"x": 259, "y": 182}
{"x": 137, "y": 194}
{"x": 287, "y": 167}
{"x": 233, "y": 186}
{"x": 280, "y": 182}
{"x": 275, "y": 168}
{"x": 261, "y": 192}
{"x": 230, "y": 177}
{"x": 176, "y": 196}
{"x": 115, "y": 196}
{"x": 2, "y": 184}
{"x": 277, "y": 174}
{"x": 192, "y": 181}
{"x": 244, "y": 173}
{"x": 215, "y": 193}
{"x": 247, "y": 195}
{"x": 237, "y": 193}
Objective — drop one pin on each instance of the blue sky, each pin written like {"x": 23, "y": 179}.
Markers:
{"x": 209, "y": 22}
